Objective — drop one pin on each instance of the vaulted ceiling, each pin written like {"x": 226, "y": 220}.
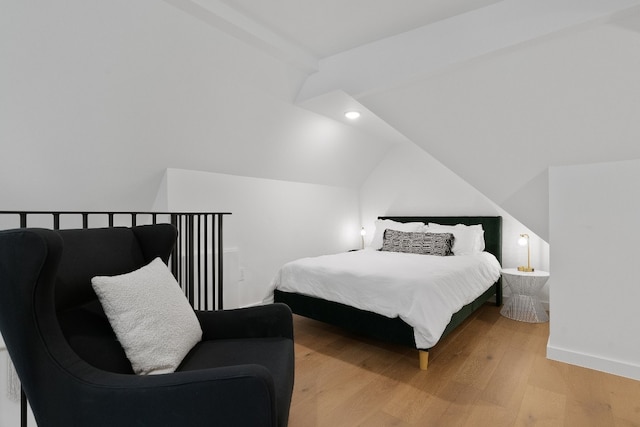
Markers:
{"x": 498, "y": 91}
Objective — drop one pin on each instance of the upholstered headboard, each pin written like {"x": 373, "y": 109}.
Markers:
{"x": 492, "y": 226}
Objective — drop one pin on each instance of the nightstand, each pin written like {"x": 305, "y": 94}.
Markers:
{"x": 523, "y": 304}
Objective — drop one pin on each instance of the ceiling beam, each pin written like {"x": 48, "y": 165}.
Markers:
{"x": 420, "y": 52}
{"x": 226, "y": 19}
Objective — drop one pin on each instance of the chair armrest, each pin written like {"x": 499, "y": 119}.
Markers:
{"x": 272, "y": 320}
{"x": 235, "y": 396}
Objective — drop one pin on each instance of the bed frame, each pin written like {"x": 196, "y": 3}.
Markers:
{"x": 395, "y": 330}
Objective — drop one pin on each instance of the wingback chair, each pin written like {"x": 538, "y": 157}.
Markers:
{"x": 75, "y": 372}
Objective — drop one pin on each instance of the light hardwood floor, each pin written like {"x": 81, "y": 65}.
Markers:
{"x": 491, "y": 371}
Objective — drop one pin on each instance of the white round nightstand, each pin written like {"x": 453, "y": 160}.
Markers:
{"x": 523, "y": 304}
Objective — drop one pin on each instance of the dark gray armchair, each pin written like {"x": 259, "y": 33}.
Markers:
{"x": 73, "y": 369}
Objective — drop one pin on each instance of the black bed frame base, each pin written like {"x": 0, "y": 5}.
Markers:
{"x": 367, "y": 323}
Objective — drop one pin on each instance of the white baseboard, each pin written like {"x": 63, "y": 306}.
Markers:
{"x": 599, "y": 363}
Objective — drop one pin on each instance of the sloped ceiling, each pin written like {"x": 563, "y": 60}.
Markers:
{"x": 501, "y": 121}
{"x": 497, "y": 91}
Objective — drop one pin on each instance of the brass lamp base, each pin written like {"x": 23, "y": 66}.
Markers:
{"x": 526, "y": 269}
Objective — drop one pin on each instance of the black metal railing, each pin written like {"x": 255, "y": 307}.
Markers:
{"x": 196, "y": 261}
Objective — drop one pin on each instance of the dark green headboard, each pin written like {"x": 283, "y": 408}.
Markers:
{"x": 492, "y": 226}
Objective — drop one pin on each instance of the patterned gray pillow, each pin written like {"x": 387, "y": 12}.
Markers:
{"x": 418, "y": 243}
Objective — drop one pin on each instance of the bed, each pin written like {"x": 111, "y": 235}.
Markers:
{"x": 378, "y": 322}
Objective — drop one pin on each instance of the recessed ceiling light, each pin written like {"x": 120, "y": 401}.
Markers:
{"x": 352, "y": 115}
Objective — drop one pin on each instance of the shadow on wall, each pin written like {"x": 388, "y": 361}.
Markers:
{"x": 530, "y": 204}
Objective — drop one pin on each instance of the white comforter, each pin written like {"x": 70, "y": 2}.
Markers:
{"x": 423, "y": 290}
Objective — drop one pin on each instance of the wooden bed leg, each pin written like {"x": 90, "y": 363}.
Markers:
{"x": 424, "y": 359}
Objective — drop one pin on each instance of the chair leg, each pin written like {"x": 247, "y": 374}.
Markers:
{"x": 424, "y": 359}
{"x": 23, "y": 408}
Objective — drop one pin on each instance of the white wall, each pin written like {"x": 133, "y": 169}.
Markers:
{"x": 594, "y": 210}
{"x": 99, "y": 98}
{"x": 411, "y": 182}
{"x": 272, "y": 221}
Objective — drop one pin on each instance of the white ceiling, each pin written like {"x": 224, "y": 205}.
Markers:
{"x": 498, "y": 91}
{"x": 327, "y": 27}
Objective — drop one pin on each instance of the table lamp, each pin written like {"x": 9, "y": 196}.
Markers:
{"x": 524, "y": 241}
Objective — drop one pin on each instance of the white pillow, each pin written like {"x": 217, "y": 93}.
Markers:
{"x": 151, "y": 317}
{"x": 469, "y": 239}
{"x": 383, "y": 224}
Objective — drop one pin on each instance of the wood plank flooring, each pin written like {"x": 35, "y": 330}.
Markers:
{"x": 491, "y": 371}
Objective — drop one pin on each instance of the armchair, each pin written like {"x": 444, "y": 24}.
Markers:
{"x": 75, "y": 372}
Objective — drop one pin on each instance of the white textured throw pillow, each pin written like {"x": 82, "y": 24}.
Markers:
{"x": 151, "y": 317}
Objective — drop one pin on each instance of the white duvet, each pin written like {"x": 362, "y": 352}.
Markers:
{"x": 423, "y": 290}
